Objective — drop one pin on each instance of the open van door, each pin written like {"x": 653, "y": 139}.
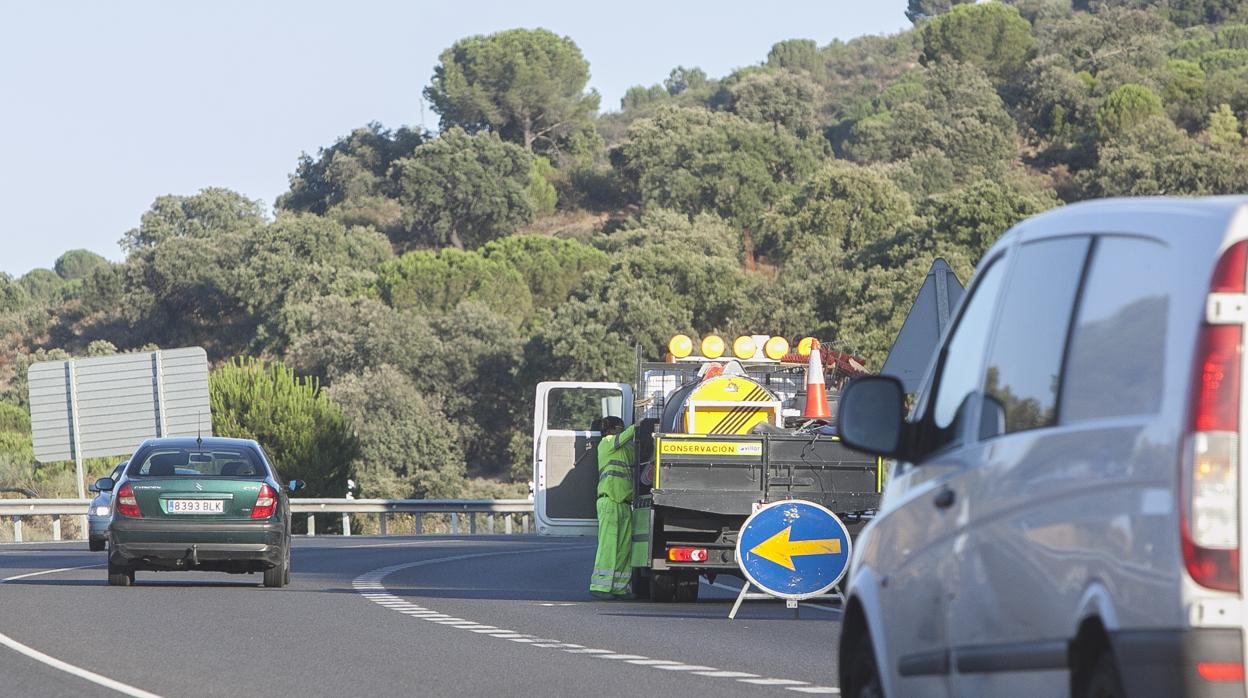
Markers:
{"x": 567, "y": 419}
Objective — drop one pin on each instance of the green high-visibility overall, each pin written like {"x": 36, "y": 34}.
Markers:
{"x": 615, "y": 514}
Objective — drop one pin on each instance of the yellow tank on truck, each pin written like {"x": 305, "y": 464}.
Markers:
{"x": 721, "y": 405}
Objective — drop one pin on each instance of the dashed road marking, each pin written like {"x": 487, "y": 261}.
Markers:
{"x": 369, "y": 586}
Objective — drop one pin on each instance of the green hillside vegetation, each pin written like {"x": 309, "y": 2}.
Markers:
{"x": 411, "y": 288}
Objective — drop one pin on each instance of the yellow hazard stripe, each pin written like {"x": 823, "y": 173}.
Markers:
{"x": 738, "y": 416}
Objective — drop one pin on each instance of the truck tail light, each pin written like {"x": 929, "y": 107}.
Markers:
{"x": 266, "y": 501}
{"x": 127, "y": 505}
{"x": 687, "y": 554}
{"x": 1209, "y": 484}
{"x": 1221, "y": 672}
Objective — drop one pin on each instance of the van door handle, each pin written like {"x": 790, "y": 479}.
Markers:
{"x": 944, "y": 498}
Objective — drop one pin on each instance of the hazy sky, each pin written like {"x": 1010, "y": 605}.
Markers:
{"x": 106, "y": 105}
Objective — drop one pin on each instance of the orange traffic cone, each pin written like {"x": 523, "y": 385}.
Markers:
{"x": 816, "y": 392}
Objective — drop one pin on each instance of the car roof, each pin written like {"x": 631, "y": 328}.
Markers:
{"x": 1158, "y": 216}
{"x": 193, "y": 442}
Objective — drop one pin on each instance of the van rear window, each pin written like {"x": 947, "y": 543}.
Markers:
{"x": 182, "y": 462}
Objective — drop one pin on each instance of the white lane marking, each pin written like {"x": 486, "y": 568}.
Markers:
{"x": 87, "y": 675}
{"x": 38, "y": 574}
{"x": 369, "y": 586}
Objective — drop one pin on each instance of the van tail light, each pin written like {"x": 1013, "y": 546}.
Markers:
{"x": 266, "y": 501}
{"x": 687, "y": 554}
{"x": 127, "y": 505}
{"x": 1209, "y": 484}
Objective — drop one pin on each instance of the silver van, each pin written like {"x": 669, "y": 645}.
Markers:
{"x": 1065, "y": 512}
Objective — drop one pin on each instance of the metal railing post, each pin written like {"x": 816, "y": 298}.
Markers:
{"x": 346, "y": 524}
{"x": 381, "y": 523}
{"x": 489, "y": 522}
{"x": 454, "y": 523}
{"x": 472, "y": 524}
{"x": 17, "y": 529}
{"x": 420, "y": 523}
{"x": 56, "y": 527}
{"x": 524, "y": 523}
{"x": 507, "y": 524}
{"x": 311, "y": 524}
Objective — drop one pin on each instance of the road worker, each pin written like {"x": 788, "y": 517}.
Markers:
{"x": 612, "y": 571}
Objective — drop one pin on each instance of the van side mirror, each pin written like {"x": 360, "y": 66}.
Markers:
{"x": 295, "y": 485}
{"x": 104, "y": 484}
{"x": 871, "y": 416}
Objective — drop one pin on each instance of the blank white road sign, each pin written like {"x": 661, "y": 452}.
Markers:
{"x": 107, "y": 405}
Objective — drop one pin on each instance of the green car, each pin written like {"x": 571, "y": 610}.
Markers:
{"x": 209, "y": 504}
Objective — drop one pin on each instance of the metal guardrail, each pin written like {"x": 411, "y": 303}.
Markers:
{"x": 18, "y": 509}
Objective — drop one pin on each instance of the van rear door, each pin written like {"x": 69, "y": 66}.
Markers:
{"x": 567, "y": 419}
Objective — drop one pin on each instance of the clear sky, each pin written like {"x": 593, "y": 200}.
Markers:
{"x": 106, "y": 105}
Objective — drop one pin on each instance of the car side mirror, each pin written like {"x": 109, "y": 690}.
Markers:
{"x": 871, "y": 416}
{"x": 92, "y": 488}
{"x": 104, "y": 484}
{"x": 295, "y": 485}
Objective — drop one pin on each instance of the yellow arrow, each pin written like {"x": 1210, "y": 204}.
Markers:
{"x": 780, "y": 550}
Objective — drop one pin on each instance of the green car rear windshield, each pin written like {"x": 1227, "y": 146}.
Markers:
{"x": 181, "y": 462}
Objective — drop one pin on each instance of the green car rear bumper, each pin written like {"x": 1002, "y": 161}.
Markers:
{"x": 160, "y": 544}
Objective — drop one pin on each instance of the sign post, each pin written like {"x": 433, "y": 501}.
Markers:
{"x": 793, "y": 550}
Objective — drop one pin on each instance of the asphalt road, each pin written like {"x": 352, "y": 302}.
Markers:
{"x": 366, "y": 616}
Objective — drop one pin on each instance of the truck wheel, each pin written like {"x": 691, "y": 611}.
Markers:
{"x": 119, "y": 576}
{"x": 640, "y": 583}
{"x": 687, "y": 585}
{"x": 662, "y": 586}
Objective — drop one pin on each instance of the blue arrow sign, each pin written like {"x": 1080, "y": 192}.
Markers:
{"x": 793, "y": 549}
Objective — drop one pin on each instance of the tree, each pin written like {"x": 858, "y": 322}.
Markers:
{"x": 336, "y": 336}
{"x": 694, "y": 160}
{"x": 1223, "y": 128}
{"x": 841, "y": 210}
{"x": 437, "y": 282}
{"x": 298, "y": 258}
{"x": 407, "y": 447}
{"x": 209, "y": 213}
{"x": 42, "y": 285}
{"x": 1157, "y": 158}
{"x": 781, "y": 98}
{"x": 463, "y": 190}
{"x": 1126, "y": 108}
{"x": 991, "y": 35}
{"x": 952, "y": 108}
{"x": 919, "y": 10}
{"x": 528, "y": 86}
{"x": 796, "y": 54}
{"x": 79, "y": 264}
{"x": 304, "y": 432}
{"x": 683, "y": 79}
{"x": 973, "y": 217}
{"x": 349, "y": 182}
{"x": 551, "y": 268}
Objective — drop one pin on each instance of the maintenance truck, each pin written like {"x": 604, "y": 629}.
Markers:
{"x": 717, "y": 436}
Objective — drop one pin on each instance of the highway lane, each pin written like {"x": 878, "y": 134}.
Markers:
{"x": 469, "y": 616}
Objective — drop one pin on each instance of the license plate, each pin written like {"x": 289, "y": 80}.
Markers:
{"x": 196, "y": 506}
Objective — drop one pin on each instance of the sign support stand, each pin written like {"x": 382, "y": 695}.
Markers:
{"x": 835, "y": 598}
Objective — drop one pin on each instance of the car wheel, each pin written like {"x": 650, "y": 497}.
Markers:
{"x": 687, "y": 585}
{"x": 1103, "y": 681}
{"x": 119, "y": 576}
{"x": 95, "y": 546}
{"x": 640, "y": 583}
{"x": 864, "y": 674}
{"x": 278, "y": 575}
{"x": 662, "y": 586}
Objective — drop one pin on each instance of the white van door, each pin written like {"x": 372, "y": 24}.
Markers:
{"x": 567, "y": 419}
